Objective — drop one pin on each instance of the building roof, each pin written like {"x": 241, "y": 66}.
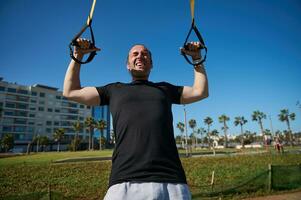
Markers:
{"x": 45, "y": 87}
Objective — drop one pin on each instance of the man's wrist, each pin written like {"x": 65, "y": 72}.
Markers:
{"x": 78, "y": 56}
{"x": 197, "y": 58}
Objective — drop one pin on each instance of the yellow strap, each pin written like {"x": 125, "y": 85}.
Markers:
{"x": 192, "y": 9}
{"x": 91, "y": 13}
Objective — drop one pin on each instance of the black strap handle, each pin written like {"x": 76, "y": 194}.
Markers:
{"x": 75, "y": 43}
{"x": 185, "y": 45}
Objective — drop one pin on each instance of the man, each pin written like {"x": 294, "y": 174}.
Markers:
{"x": 145, "y": 162}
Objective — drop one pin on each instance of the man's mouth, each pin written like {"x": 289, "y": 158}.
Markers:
{"x": 139, "y": 63}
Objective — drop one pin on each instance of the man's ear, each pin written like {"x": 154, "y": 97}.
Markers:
{"x": 128, "y": 67}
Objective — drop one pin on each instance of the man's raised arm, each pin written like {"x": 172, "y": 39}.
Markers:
{"x": 199, "y": 90}
{"x": 72, "y": 87}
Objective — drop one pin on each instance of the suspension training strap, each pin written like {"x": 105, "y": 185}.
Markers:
{"x": 92, "y": 44}
{"x": 201, "y": 40}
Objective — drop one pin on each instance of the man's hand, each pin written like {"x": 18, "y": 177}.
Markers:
{"x": 83, "y": 48}
{"x": 192, "y": 49}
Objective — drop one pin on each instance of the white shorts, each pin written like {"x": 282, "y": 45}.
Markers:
{"x": 148, "y": 191}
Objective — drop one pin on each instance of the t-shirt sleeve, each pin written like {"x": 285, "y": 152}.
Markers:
{"x": 175, "y": 93}
{"x": 104, "y": 94}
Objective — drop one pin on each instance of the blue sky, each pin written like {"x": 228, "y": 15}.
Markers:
{"x": 253, "y": 62}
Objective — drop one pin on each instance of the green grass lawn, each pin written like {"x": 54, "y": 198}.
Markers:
{"x": 48, "y": 157}
{"x": 29, "y": 177}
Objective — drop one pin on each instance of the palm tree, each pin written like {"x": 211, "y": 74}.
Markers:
{"x": 192, "y": 125}
{"x": 285, "y": 116}
{"x": 101, "y": 126}
{"x": 77, "y": 127}
{"x": 208, "y": 121}
{"x": 258, "y": 116}
{"x": 223, "y": 119}
{"x": 58, "y": 135}
{"x": 90, "y": 123}
{"x": 241, "y": 121}
{"x": 200, "y": 131}
{"x": 180, "y": 126}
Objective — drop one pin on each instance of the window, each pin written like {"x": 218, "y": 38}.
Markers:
{"x": 32, "y": 115}
{"x": 32, "y": 108}
{"x": 73, "y": 105}
{"x": 2, "y": 88}
{"x": 56, "y": 123}
{"x": 49, "y": 110}
{"x": 10, "y": 105}
{"x": 19, "y": 129}
{"x": 22, "y": 91}
{"x": 34, "y": 94}
{"x": 48, "y": 130}
{"x": 10, "y": 113}
{"x": 88, "y": 107}
{"x": 42, "y": 102}
{"x": 42, "y": 94}
{"x": 22, "y": 99}
{"x": 58, "y": 97}
{"x": 82, "y": 106}
{"x": 7, "y": 128}
{"x": 20, "y": 121}
{"x": 48, "y": 123}
{"x": 13, "y": 90}
{"x": 22, "y": 106}
{"x": 41, "y": 109}
{"x": 57, "y": 110}
{"x": 8, "y": 120}
{"x": 21, "y": 113}
{"x": 30, "y": 129}
{"x": 33, "y": 101}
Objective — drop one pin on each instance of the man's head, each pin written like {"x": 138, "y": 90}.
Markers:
{"x": 139, "y": 62}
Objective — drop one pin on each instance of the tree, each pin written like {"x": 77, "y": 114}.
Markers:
{"x": 250, "y": 137}
{"x": 77, "y": 127}
{"x": 200, "y": 131}
{"x": 208, "y": 121}
{"x": 1, "y": 110}
{"x": 7, "y": 142}
{"x": 90, "y": 123}
{"x": 285, "y": 116}
{"x": 192, "y": 125}
{"x": 36, "y": 139}
{"x": 101, "y": 126}
{"x": 258, "y": 116}
{"x": 57, "y": 136}
{"x": 223, "y": 119}
{"x": 44, "y": 141}
{"x": 180, "y": 126}
{"x": 241, "y": 121}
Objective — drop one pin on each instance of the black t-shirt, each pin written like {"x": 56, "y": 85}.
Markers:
{"x": 145, "y": 148}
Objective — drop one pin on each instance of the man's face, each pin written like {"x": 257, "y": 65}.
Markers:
{"x": 139, "y": 62}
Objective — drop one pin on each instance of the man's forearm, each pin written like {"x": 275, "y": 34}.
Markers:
{"x": 72, "y": 78}
{"x": 200, "y": 84}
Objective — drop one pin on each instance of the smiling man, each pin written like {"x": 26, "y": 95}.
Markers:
{"x": 145, "y": 162}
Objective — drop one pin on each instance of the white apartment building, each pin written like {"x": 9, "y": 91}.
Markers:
{"x": 27, "y": 111}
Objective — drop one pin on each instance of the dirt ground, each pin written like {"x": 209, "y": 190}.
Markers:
{"x": 285, "y": 196}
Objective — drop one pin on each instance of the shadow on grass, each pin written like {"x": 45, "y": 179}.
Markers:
{"x": 38, "y": 196}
